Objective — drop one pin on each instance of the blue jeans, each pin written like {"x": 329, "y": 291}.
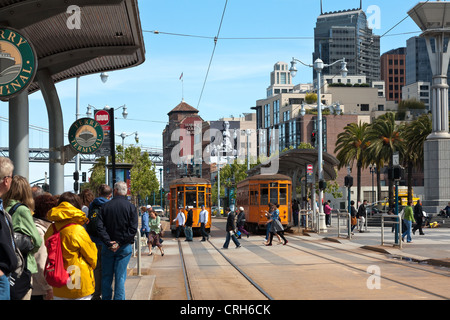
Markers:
{"x": 4, "y": 288}
{"x": 188, "y": 232}
{"x": 227, "y": 240}
{"x": 407, "y": 232}
{"x": 114, "y": 265}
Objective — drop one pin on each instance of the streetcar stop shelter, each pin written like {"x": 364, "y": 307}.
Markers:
{"x": 65, "y": 39}
{"x": 294, "y": 163}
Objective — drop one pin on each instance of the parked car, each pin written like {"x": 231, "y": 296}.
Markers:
{"x": 214, "y": 211}
{"x": 159, "y": 211}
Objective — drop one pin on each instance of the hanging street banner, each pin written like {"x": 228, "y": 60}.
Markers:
{"x": 86, "y": 135}
{"x": 18, "y": 63}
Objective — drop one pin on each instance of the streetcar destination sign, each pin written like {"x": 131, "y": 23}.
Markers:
{"x": 18, "y": 63}
{"x": 86, "y": 135}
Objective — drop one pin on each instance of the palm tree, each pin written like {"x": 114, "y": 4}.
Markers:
{"x": 415, "y": 135}
{"x": 351, "y": 146}
{"x": 385, "y": 139}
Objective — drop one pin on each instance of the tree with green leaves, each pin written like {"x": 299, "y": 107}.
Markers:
{"x": 385, "y": 138}
{"x": 352, "y": 146}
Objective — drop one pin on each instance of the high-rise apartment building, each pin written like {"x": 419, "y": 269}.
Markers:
{"x": 393, "y": 72}
{"x": 346, "y": 34}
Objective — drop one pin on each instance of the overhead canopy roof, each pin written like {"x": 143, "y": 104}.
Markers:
{"x": 297, "y": 159}
{"x": 109, "y": 37}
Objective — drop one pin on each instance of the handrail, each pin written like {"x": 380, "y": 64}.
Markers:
{"x": 398, "y": 221}
{"x": 349, "y": 220}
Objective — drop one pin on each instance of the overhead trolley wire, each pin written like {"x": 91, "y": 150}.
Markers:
{"x": 212, "y": 54}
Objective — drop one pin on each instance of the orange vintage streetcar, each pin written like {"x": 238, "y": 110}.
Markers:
{"x": 192, "y": 192}
{"x": 256, "y": 192}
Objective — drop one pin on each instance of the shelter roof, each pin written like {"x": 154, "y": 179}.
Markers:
{"x": 109, "y": 36}
{"x": 297, "y": 159}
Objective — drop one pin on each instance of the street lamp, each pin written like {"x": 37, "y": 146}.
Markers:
{"x": 318, "y": 67}
{"x": 433, "y": 18}
{"x": 123, "y": 135}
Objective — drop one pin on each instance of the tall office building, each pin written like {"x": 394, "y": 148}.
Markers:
{"x": 393, "y": 73}
{"x": 346, "y": 33}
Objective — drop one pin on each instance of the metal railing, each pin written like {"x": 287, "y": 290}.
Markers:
{"x": 398, "y": 222}
{"x": 347, "y": 214}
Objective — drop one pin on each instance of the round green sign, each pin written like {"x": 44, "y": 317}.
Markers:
{"x": 18, "y": 63}
{"x": 86, "y": 135}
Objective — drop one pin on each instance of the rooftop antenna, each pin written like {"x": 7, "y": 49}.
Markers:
{"x": 321, "y": 7}
{"x": 360, "y": 4}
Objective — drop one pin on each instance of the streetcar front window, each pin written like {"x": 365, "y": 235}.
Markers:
{"x": 283, "y": 196}
{"x": 274, "y": 195}
{"x": 180, "y": 199}
{"x": 191, "y": 198}
{"x": 201, "y": 198}
{"x": 264, "y": 196}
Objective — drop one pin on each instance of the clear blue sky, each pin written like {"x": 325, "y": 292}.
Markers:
{"x": 239, "y": 73}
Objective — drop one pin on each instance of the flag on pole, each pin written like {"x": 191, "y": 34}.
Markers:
{"x": 181, "y": 75}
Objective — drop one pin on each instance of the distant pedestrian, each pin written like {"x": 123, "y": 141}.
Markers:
{"x": 203, "y": 220}
{"x": 418, "y": 216}
{"x": 154, "y": 237}
{"x": 20, "y": 198}
{"x": 188, "y": 225}
{"x": 117, "y": 226}
{"x": 240, "y": 222}
{"x": 327, "y": 211}
{"x": 78, "y": 251}
{"x": 295, "y": 211}
{"x": 231, "y": 230}
{"x": 275, "y": 225}
{"x": 145, "y": 229}
{"x": 361, "y": 215}
{"x": 8, "y": 259}
{"x": 408, "y": 219}
{"x": 181, "y": 221}
{"x": 353, "y": 212}
{"x": 104, "y": 195}
{"x": 43, "y": 204}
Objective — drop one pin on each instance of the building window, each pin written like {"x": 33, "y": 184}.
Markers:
{"x": 276, "y": 112}
{"x": 267, "y": 115}
{"x": 364, "y": 107}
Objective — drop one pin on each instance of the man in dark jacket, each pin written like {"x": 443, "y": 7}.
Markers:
{"x": 117, "y": 225}
{"x": 230, "y": 228}
{"x": 105, "y": 193}
{"x": 188, "y": 225}
{"x": 418, "y": 216}
{"x": 8, "y": 259}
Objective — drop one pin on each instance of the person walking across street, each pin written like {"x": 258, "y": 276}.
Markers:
{"x": 408, "y": 219}
{"x": 275, "y": 225}
{"x": 104, "y": 195}
{"x": 78, "y": 251}
{"x": 361, "y": 215}
{"x": 8, "y": 258}
{"x": 117, "y": 225}
{"x": 188, "y": 226}
{"x": 418, "y": 216}
{"x": 230, "y": 229}
{"x": 203, "y": 220}
{"x": 181, "y": 221}
{"x": 241, "y": 222}
{"x": 154, "y": 237}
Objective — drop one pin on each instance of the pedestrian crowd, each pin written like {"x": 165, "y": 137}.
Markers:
{"x": 96, "y": 235}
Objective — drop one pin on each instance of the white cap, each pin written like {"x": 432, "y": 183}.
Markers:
{"x": 149, "y": 206}
{"x": 241, "y": 208}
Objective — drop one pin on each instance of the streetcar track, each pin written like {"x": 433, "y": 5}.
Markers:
{"x": 365, "y": 271}
{"x": 186, "y": 277}
{"x": 387, "y": 260}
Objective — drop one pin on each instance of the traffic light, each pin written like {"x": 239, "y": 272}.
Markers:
{"x": 395, "y": 173}
{"x": 348, "y": 181}
{"x": 313, "y": 137}
{"x": 76, "y": 176}
{"x": 322, "y": 185}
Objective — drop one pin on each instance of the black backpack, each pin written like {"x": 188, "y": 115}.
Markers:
{"x": 91, "y": 226}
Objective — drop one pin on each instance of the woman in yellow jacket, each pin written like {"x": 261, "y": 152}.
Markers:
{"x": 79, "y": 252}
